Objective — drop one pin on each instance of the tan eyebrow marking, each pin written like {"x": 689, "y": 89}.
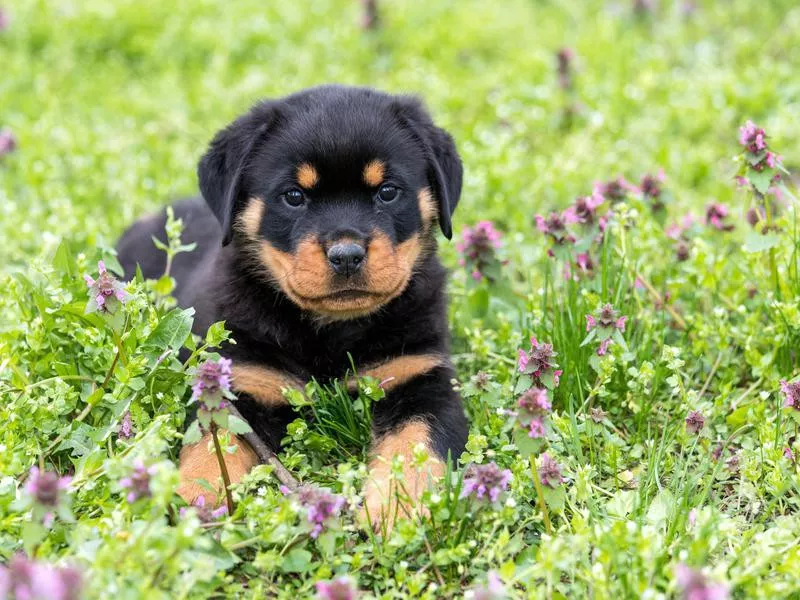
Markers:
{"x": 397, "y": 371}
{"x": 427, "y": 207}
{"x": 264, "y": 384}
{"x": 307, "y": 176}
{"x": 374, "y": 172}
{"x": 249, "y": 220}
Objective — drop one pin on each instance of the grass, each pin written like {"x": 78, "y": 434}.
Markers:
{"x": 112, "y": 103}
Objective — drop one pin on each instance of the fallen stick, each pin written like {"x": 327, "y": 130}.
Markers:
{"x": 267, "y": 456}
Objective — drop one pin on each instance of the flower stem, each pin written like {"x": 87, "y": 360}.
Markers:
{"x": 540, "y": 494}
{"x": 223, "y": 469}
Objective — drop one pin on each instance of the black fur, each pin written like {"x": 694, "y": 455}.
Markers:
{"x": 337, "y": 130}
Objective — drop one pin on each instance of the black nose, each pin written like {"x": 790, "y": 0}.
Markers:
{"x": 346, "y": 258}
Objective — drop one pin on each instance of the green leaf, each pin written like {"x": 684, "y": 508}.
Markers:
{"x": 63, "y": 260}
{"x": 527, "y": 445}
{"x": 193, "y": 434}
{"x": 33, "y": 533}
{"x": 756, "y": 242}
{"x": 524, "y": 383}
{"x": 164, "y": 285}
{"x": 297, "y": 561}
{"x": 761, "y": 180}
{"x": 237, "y": 425}
{"x": 172, "y": 330}
{"x": 555, "y": 498}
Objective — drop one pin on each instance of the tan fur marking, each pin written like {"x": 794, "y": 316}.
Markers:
{"x": 199, "y": 461}
{"x": 249, "y": 220}
{"x": 263, "y": 383}
{"x": 306, "y": 276}
{"x": 397, "y": 371}
{"x": 374, "y": 172}
{"x": 381, "y": 491}
{"x": 427, "y": 207}
{"x": 307, "y": 176}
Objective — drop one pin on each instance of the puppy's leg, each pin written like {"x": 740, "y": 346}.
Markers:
{"x": 199, "y": 461}
{"x": 420, "y": 407}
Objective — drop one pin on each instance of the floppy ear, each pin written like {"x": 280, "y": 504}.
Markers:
{"x": 445, "y": 171}
{"x": 221, "y": 169}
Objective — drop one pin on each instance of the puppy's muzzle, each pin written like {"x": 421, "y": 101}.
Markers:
{"x": 346, "y": 258}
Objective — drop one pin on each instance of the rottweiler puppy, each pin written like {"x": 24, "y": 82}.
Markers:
{"x": 316, "y": 241}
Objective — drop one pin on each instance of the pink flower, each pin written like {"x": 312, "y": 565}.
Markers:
{"x": 341, "y": 588}
{"x": 538, "y": 361}
{"x": 695, "y": 585}
{"x": 564, "y": 58}
{"x": 549, "y": 471}
{"x": 716, "y": 213}
{"x": 788, "y": 454}
{"x": 8, "y": 143}
{"x": 138, "y": 482}
{"x": 606, "y": 318}
{"x": 752, "y": 138}
{"x": 493, "y": 590}
{"x": 695, "y": 422}
{"x": 584, "y": 210}
{"x": 534, "y": 408}
{"x": 125, "y": 430}
{"x": 321, "y": 506}
{"x": 555, "y": 226}
{"x": 478, "y": 248}
{"x": 25, "y": 579}
{"x": 613, "y": 190}
{"x": 650, "y": 188}
{"x": 204, "y": 512}
{"x": 485, "y": 481}
{"x": 602, "y": 349}
{"x": 791, "y": 392}
{"x": 105, "y": 293}
{"x": 46, "y": 487}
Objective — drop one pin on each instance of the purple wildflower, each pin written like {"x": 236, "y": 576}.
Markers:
{"x": 105, "y": 293}
{"x": 695, "y": 422}
{"x": 606, "y": 318}
{"x": 485, "y": 481}
{"x": 602, "y": 349}
{"x": 26, "y": 579}
{"x": 493, "y": 590}
{"x": 45, "y": 487}
{"x": 584, "y": 210}
{"x": 597, "y": 414}
{"x": 8, "y": 143}
{"x": 369, "y": 16}
{"x": 534, "y": 408}
{"x": 613, "y": 190}
{"x": 549, "y": 471}
{"x": 4, "y": 20}
{"x": 695, "y": 585}
{"x": 788, "y": 454}
{"x": 555, "y": 225}
{"x": 341, "y": 588}
{"x": 538, "y": 362}
{"x": 650, "y": 187}
{"x": 716, "y": 213}
{"x": 212, "y": 379}
{"x": 205, "y": 512}
{"x": 752, "y": 137}
{"x": 320, "y": 505}
{"x": 138, "y": 482}
{"x": 791, "y": 393}
{"x": 564, "y": 58}
{"x": 478, "y": 247}
{"x": 125, "y": 430}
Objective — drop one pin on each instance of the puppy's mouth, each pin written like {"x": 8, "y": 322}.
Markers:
{"x": 349, "y": 294}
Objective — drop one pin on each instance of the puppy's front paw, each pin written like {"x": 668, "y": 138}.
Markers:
{"x": 199, "y": 461}
{"x": 387, "y": 498}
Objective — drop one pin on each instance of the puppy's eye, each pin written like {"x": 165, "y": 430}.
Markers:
{"x": 294, "y": 198}
{"x": 388, "y": 193}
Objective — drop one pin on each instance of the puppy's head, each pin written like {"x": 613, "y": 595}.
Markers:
{"x": 336, "y": 191}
